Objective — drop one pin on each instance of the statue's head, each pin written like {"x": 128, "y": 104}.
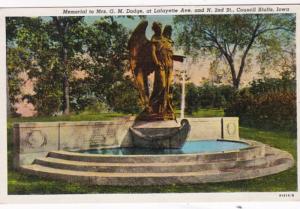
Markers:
{"x": 157, "y": 28}
{"x": 167, "y": 31}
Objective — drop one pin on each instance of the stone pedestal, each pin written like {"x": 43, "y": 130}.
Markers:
{"x": 160, "y": 134}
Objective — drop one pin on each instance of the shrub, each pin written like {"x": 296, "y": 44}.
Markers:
{"x": 96, "y": 107}
{"x": 266, "y": 106}
{"x": 208, "y": 96}
{"x": 176, "y": 91}
{"x": 272, "y": 84}
{"x": 123, "y": 97}
{"x": 192, "y": 98}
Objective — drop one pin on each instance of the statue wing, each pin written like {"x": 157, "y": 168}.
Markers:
{"x": 138, "y": 38}
{"x": 138, "y": 44}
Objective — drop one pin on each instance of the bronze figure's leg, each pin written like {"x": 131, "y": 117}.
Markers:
{"x": 141, "y": 83}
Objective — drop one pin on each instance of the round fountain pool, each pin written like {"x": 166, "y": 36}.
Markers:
{"x": 196, "y": 162}
{"x": 190, "y": 147}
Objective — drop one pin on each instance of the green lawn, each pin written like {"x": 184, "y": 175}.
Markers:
{"x": 204, "y": 113}
{"x": 77, "y": 117}
{"x": 208, "y": 113}
{"x": 286, "y": 181}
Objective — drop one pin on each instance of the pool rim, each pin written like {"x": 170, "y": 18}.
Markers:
{"x": 252, "y": 145}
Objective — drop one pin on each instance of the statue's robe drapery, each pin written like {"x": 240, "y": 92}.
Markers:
{"x": 160, "y": 100}
{"x": 147, "y": 57}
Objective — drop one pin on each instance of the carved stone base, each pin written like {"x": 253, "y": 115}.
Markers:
{"x": 160, "y": 134}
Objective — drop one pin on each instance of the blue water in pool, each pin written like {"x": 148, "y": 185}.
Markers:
{"x": 190, "y": 147}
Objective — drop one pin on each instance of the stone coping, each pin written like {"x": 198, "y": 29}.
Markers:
{"x": 116, "y": 121}
{"x": 253, "y": 144}
{"x": 244, "y": 153}
{"x": 69, "y": 123}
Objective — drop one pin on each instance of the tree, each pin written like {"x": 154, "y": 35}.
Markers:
{"x": 55, "y": 47}
{"x": 192, "y": 98}
{"x": 18, "y": 60}
{"x": 106, "y": 43}
{"x": 52, "y": 48}
{"x": 123, "y": 97}
{"x": 282, "y": 60}
{"x": 68, "y": 33}
{"x": 232, "y": 37}
{"x": 33, "y": 37}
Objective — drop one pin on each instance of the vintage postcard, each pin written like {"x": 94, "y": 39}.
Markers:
{"x": 150, "y": 103}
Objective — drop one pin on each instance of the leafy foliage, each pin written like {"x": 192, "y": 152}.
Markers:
{"x": 123, "y": 97}
{"x": 50, "y": 47}
{"x": 266, "y": 104}
{"x": 265, "y": 85}
{"x": 107, "y": 47}
{"x": 208, "y": 96}
{"x": 15, "y": 66}
{"x": 231, "y": 38}
{"x": 176, "y": 90}
{"x": 51, "y": 50}
{"x": 192, "y": 98}
{"x": 18, "y": 59}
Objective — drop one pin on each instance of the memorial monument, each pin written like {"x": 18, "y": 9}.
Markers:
{"x": 155, "y": 56}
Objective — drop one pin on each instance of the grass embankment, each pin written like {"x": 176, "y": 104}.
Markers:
{"x": 19, "y": 183}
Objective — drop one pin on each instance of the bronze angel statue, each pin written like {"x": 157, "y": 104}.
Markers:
{"x": 153, "y": 56}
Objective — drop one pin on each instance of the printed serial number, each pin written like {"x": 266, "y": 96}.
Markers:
{"x": 286, "y": 195}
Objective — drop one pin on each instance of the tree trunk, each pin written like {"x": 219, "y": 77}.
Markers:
{"x": 66, "y": 95}
{"x": 235, "y": 78}
{"x": 236, "y": 83}
{"x": 8, "y": 104}
{"x": 62, "y": 29}
{"x": 66, "y": 85}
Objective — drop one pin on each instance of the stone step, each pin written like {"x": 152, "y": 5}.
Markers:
{"x": 134, "y": 179}
{"x": 151, "y": 167}
{"x": 243, "y": 154}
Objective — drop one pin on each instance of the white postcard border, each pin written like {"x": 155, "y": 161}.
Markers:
{"x": 165, "y": 197}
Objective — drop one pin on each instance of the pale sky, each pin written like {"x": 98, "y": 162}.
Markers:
{"x": 132, "y": 23}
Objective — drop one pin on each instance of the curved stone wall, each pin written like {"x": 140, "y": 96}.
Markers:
{"x": 32, "y": 140}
